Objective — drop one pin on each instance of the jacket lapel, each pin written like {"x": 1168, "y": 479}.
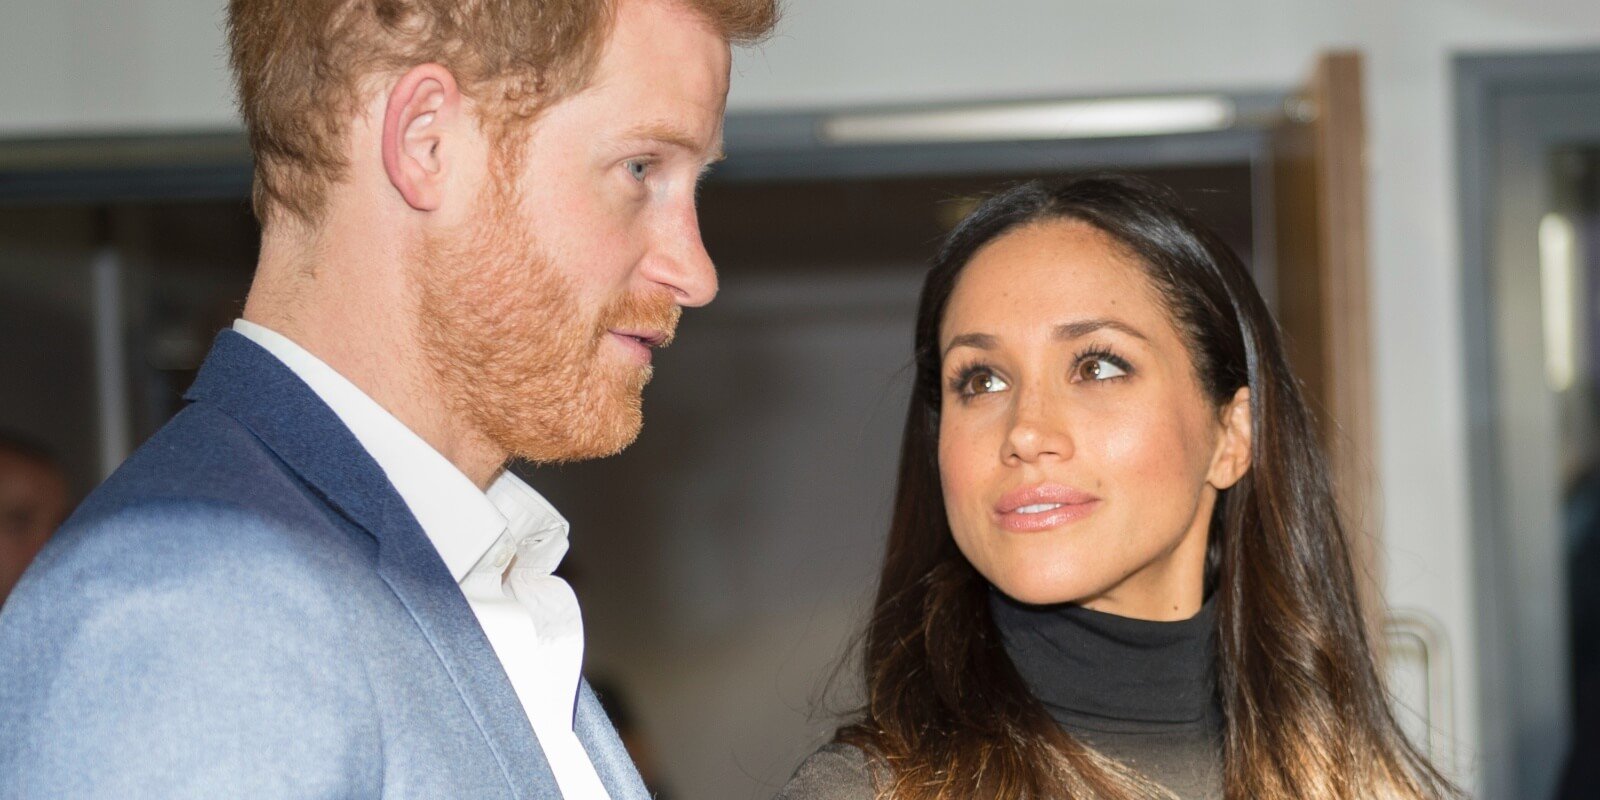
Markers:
{"x": 411, "y": 566}
{"x": 249, "y": 384}
{"x": 600, "y": 741}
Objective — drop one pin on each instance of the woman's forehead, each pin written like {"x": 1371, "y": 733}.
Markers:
{"x": 1047, "y": 273}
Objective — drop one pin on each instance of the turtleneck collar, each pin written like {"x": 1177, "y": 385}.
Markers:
{"x": 1104, "y": 672}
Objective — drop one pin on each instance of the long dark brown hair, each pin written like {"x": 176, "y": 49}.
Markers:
{"x": 946, "y": 714}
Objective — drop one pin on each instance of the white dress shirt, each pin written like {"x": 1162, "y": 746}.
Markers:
{"x": 500, "y": 546}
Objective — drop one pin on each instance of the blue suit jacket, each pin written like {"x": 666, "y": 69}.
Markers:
{"x": 248, "y": 609}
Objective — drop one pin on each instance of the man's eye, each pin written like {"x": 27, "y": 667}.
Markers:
{"x": 1099, "y": 369}
{"x": 638, "y": 169}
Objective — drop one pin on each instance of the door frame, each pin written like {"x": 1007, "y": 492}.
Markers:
{"x": 1516, "y": 682}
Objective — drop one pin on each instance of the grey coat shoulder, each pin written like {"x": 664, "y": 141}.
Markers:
{"x": 836, "y": 772}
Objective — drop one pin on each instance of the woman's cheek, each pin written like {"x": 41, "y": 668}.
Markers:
{"x": 1138, "y": 445}
{"x": 963, "y": 471}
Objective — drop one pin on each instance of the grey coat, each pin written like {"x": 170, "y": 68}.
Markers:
{"x": 836, "y": 772}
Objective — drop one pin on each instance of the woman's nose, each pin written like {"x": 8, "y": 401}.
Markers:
{"x": 1035, "y": 433}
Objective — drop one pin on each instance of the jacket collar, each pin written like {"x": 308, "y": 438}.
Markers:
{"x": 244, "y": 381}
{"x": 248, "y": 384}
{"x": 610, "y": 758}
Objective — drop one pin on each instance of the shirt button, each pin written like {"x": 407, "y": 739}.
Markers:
{"x": 503, "y": 558}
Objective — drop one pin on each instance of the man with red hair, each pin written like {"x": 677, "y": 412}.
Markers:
{"x": 319, "y": 580}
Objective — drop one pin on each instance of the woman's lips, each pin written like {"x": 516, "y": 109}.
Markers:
{"x": 1042, "y": 507}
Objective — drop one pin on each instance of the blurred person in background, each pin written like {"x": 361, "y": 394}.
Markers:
{"x": 34, "y": 501}
{"x": 319, "y": 580}
{"x": 1115, "y": 567}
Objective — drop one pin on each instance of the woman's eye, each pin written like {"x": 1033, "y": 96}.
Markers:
{"x": 638, "y": 169}
{"x": 983, "y": 382}
{"x": 1099, "y": 368}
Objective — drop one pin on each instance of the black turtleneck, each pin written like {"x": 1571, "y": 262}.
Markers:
{"x": 1141, "y": 692}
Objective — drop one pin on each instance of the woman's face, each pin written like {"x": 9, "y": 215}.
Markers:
{"x": 1079, "y": 455}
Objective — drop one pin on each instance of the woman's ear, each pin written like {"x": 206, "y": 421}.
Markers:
{"x": 423, "y": 110}
{"x": 1231, "y": 460}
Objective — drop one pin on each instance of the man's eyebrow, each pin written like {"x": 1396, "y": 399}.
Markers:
{"x": 1068, "y": 331}
{"x": 670, "y": 134}
{"x": 981, "y": 341}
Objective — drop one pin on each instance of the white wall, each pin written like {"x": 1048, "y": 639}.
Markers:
{"x": 112, "y": 65}
{"x": 156, "y": 64}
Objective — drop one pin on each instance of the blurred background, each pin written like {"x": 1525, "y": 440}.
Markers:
{"x": 1416, "y": 186}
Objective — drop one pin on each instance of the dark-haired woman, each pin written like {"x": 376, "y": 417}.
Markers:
{"x": 1115, "y": 569}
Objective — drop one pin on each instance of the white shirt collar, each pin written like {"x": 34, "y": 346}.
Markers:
{"x": 461, "y": 521}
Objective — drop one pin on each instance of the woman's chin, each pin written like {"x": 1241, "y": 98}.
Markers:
{"x": 1047, "y": 590}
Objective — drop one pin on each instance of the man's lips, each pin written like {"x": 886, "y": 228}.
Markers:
{"x": 1043, "y": 506}
{"x": 639, "y": 342}
{"x": 648, "y": 338}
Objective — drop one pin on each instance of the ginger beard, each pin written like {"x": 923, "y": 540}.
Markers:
{"x": 514, "y": 350}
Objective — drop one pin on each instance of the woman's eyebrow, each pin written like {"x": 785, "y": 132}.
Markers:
{"x": 1068, "y": 331}
{"x": 981, "y": 341}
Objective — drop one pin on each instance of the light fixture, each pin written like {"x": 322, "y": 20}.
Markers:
{"x": 1557, "y": 278}
{"x": 1035, "y": 121}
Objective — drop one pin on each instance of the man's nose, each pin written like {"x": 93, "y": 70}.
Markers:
{"x": 680, "y": 262}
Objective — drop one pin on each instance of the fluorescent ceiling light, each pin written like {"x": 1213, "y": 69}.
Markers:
{"x": 1062, "y": 119}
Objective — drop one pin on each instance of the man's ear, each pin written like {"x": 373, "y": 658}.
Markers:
{"x": 1232, "y": 457}
{"x": 423, "y": 111}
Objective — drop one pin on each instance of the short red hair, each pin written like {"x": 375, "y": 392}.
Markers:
{"x": 304, "y": 68}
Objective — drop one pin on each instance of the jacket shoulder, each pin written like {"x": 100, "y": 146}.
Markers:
{"x": 200, "y": 628}
{"x": 201, "y": 455}
{"x": 204, "y": 482}
{"x": 201, "y": 537}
